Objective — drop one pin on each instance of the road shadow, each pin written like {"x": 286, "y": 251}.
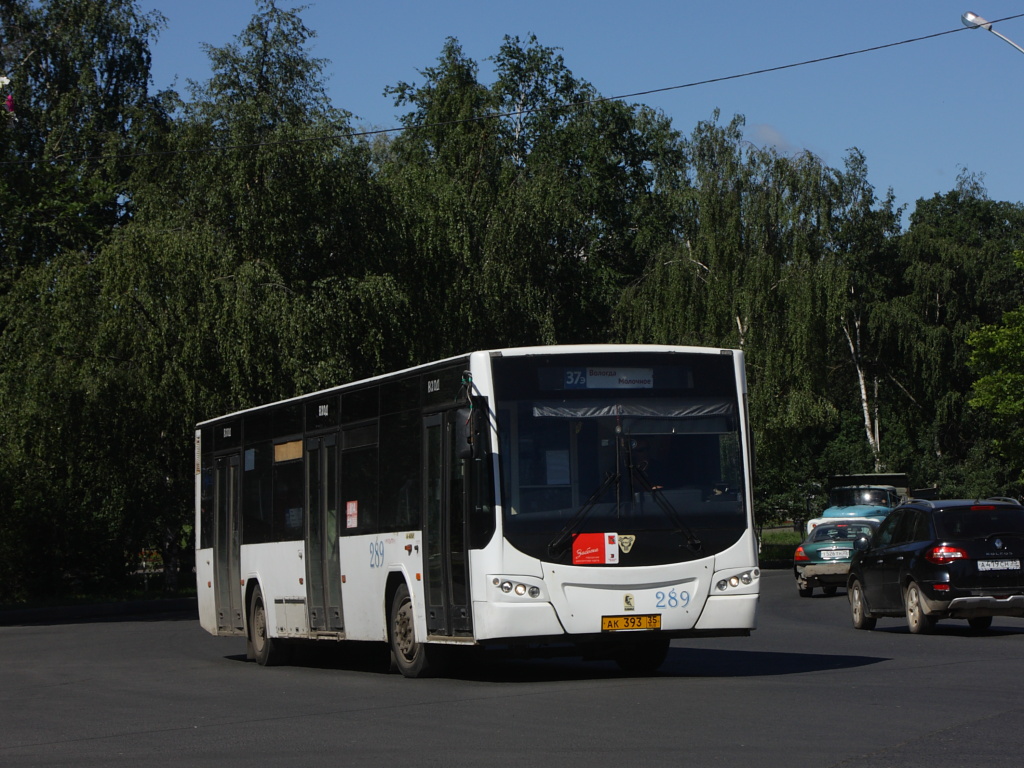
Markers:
{"x": 496, "y": 666}
{"x": 948, "y": 628}
{"x": 680, "y": 663}
{"x": 689, "y": 662}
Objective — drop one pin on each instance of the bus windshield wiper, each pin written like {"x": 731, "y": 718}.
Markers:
{"x": 557, "y": 545}
{"x": 692, "y": 542}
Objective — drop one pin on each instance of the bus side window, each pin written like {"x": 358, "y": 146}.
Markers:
{"x": 400, "y": 480}
{"x": 206, "y": 501}
{"x": 359, "y": 472}
{"x": 289, "y": 491}
{"x": 257, "y": 500}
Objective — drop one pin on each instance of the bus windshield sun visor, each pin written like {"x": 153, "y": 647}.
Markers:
{"x": 687, "y": 409}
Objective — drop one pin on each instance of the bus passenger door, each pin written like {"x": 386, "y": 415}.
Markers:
{"x": 445, "y": 505}
{"x": 226, "y": 548}
{"x": 323, "y": 572}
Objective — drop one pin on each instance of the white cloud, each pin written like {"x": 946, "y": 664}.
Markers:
{"x": 763, "y": 135}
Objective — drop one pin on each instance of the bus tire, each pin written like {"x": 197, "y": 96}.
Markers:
{"x": 266, "y": 650}
{"x": 408, "y": 656}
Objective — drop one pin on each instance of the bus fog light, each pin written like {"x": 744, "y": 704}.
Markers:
{"x": 506, "y": 586}
{"x": 520, "y": 589}
{"x": 534, "y": 591}
{"x": 722, "y": 585}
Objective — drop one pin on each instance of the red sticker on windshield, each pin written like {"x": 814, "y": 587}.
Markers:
{"x": 595, "y": 549}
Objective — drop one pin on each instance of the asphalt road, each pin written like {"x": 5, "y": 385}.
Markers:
{"x": 805, "y": 689}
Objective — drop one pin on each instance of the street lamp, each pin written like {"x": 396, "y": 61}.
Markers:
{"x": 974, "y": 21}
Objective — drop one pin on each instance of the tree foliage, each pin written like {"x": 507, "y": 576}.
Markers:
{"x": 997, "y": 358}
{"x": 170, "y": 257}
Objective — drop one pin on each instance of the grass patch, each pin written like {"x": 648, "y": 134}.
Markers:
{"x": 779, "y": 543}
{"x": 782, "y": 536}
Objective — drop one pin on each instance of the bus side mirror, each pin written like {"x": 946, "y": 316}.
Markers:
{"x": 467, "y": 433}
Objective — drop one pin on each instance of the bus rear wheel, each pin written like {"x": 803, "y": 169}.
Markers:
{"x": 267, "y": 651}
{"x": 409, "y": 656}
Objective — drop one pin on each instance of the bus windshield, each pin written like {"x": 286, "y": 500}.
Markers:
{"x": 640, "y": 449}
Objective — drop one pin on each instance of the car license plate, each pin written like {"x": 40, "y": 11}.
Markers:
{"x": 835, "y": 554}
{"x": 999, "y": 565}
{"x": 640, "y": 621}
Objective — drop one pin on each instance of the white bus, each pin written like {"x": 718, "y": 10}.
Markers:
{"x": 596, "y": 497}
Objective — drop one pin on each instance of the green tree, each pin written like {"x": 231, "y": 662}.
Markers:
{"x": 79, "y": 74}
{"x": 251, "y": 269}
{"x": 241, "y": 246}
{"x": 529, "y": 200}
{"x": 862, "y": 247}
{"x": 789, "y": 260}
{"x": 997, "y": 358}
{"x": 958, "y": 275}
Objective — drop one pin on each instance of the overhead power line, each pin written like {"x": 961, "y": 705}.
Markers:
{"x": 520, "y": 112}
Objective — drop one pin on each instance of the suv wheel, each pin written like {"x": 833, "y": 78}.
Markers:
{"x": 862, "y": 619}
{"x": 918, "y": 622}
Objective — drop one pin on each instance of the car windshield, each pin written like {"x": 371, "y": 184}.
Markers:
{"x": 979, "y": 521}
{"x": 841, "y": 532}
{"x": 848, "y": 497}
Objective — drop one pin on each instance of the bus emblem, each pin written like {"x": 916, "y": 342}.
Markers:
{"x": 626, "y": 542}
{"x": 628, "y": 603}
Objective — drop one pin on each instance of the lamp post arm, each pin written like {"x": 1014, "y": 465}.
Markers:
{"x": 1004, "y": 37}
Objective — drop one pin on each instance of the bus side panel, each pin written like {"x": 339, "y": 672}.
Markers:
{"x": 205, "y": 592}
{"x": 729, "y": 612}
{"x": 742, "y": 554}
{"x": 366, "y": 563}
{"x": 279, "y": 569}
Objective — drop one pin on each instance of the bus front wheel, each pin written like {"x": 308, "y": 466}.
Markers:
{"x": 408, "y": 656}
{"x": 267, "y": 651}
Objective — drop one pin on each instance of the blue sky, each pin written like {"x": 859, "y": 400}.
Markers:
{"x": 919, "y": 112}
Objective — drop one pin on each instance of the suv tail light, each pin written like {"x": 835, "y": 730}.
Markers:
{"x": 799, "y": 554}
{"x": 944, "y": 555}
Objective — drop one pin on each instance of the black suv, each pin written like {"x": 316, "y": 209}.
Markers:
{"x": 932, "y": 560}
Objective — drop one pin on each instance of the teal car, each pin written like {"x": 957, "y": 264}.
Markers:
{"x": 823, "y": 558}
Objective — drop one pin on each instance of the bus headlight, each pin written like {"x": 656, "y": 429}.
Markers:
{"x": 516, "y": 587}
{"x": 740, "y": 579}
